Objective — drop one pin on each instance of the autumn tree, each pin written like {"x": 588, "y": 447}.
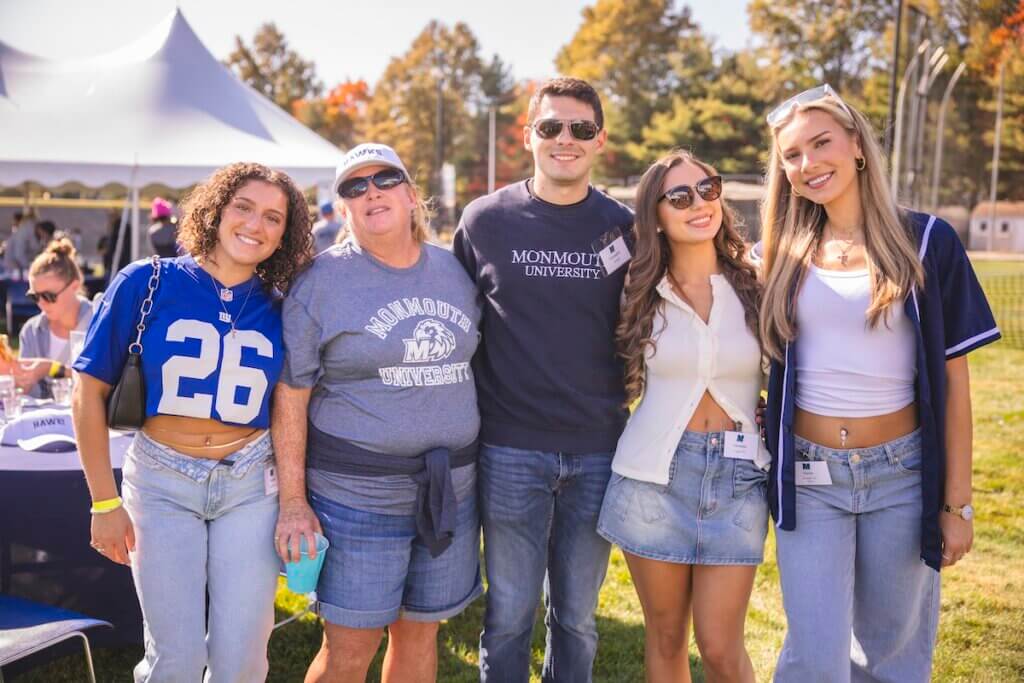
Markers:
{"x": 823, "y": 41}
{"x": 442, "y": 64}
{"x": 631, "y": 51}
{"x": 339, "y": 115}
{"x": 271, "y": 67}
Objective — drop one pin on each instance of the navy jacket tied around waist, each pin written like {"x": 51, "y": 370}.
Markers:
{"x": 436, "y": 505}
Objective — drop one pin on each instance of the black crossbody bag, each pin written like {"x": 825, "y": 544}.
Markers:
{"x": 126, "y": 405}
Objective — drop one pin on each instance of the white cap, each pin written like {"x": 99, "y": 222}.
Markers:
{"x": 367, "y": 154}
{"x": 47, "y": 429}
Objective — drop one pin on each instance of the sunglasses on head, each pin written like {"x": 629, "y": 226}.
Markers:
{"x": 581, "y": 129}
{"x": 357, "y": 186}
{"x": 681, "y": 196}
{"x": 48, "y": 297}
{"x": 824, "y": 90}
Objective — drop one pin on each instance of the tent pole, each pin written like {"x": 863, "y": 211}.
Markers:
{"x": 136, "y": 226}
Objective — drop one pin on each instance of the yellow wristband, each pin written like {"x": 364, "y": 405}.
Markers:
{"x": 55, "y": 368}
{"x": 100, "y": 507}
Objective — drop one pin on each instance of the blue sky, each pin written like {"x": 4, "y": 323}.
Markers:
{"x": 345, "y": 38}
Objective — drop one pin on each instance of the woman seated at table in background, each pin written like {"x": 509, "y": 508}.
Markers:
{"x": 199, "y": 486}
{"x": 55, "y": 282}
{"x": 376, "y": 411}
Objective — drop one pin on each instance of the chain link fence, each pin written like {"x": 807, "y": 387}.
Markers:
{"x": 1003, "y": 283}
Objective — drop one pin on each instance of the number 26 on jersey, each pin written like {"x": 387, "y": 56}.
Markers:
{"x": 233, "y": 375}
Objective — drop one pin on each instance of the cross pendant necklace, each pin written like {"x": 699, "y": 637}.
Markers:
{"x": 844, "y": 252}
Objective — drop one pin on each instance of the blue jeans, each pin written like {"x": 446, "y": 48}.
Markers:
{"x": 539, "y": 513}
{"x": 202, "y": 526}
{"x": 860, "y": 603}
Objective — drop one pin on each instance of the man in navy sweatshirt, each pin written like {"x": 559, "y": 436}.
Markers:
{"x": 548, "y": 256}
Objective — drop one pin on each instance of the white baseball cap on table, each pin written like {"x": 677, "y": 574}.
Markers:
{"x": 367, "y": 154}
{"x": 47, "y": 429}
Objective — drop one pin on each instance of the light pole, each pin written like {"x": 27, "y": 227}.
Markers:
{"x": 995, "y": 155}
{"x": 491, "y": 144}
{"x": 938, "y": 60}
{"x": 939, "y": 137}
{"x": 892, "y": 78}
{"x": 894, "y": 171}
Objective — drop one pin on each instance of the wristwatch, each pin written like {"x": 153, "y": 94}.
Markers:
{"x": 966, "y": 512}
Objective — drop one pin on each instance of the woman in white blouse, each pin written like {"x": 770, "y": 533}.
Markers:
{"x": 686, "y": 501}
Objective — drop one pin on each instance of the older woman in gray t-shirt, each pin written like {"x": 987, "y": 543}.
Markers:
{"x": 375, "y": 423}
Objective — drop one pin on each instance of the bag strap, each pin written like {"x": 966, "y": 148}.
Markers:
{"x": 147, "y": 306}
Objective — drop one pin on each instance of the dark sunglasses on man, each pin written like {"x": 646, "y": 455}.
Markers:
{"x": 581, "y": 129}
{"x": 357, "y": 186}
{"x": 681, "y": 196}
{"x": 48, "y": 297}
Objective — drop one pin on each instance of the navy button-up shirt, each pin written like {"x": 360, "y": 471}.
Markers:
{"x": 951, "y": 317}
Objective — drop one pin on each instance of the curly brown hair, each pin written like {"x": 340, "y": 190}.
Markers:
{"x": 635, "y": 332}
{"x": 202, "y": 208}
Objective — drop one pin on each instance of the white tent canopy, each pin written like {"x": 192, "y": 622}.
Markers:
{"x": 159, "y": 110}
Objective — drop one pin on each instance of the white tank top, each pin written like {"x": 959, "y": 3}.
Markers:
{"x": 845, "y": 368}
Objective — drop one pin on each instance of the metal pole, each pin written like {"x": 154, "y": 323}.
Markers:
{"x": 995, "y": 156}
{"x": 939, "y": 139}
{"x": 893, "y": 77}
{"x": 491, "y": 159}
{"x": 922, "y": 120}
{"x": 894, "y": 172}
{"x": 439, "y": 142}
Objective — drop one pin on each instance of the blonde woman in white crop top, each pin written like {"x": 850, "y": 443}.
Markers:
{"x": 686, "y": 501}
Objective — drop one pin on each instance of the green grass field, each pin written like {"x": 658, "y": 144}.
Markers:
{"x": 981, "y": 632}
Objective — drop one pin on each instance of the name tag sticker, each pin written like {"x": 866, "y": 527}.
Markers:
{"x": 812, "y": 473}
{"x": 612, "y": 250}
{"x": 270, "y": 480}
{"x": 741, "y": 446}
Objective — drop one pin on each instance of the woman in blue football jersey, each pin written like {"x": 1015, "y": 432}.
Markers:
{"x": 869, "y": 311}
{"x": 199, "y": 485}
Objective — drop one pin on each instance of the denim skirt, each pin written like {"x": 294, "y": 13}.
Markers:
{"x": 713, "y": 510}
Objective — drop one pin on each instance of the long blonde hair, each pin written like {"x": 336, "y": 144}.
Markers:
{"x": 792, "y": 227}
{"x": 635, "y": 332}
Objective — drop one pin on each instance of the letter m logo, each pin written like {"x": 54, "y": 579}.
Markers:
{"x": 417, "y": 350}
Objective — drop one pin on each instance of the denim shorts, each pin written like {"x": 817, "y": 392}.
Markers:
{"x": 377, "y": 570}
{"x": 712, "y": 511}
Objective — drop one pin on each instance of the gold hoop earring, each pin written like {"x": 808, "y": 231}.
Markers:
{"x": 793, "y": 190}
{"x": 861, "y": 163}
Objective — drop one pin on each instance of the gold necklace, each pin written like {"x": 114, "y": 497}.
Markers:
{"x": 844, "y": 254}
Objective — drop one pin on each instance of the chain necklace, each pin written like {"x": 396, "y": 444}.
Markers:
{"x": 844, "y": 253}
{"x": 225, "y": 294}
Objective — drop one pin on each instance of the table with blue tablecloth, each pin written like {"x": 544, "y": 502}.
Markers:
{"x": 44, "y": 541}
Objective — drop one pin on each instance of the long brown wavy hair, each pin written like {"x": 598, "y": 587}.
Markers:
{"x": 201, "y": 211}
{"x": 651, "y": 255}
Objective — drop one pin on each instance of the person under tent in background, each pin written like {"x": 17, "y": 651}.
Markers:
{"x": 163, "y": 231}
{"x": 325, "y": 230}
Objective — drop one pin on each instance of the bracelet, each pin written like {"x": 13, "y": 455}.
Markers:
{"x": 102, "y": 507}
{"x": 56, "y": 369}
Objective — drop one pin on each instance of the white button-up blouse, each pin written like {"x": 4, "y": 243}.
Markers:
{"x": 690, "y": 357}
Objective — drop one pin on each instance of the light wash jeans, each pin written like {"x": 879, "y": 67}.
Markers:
{"x": 539, "y": 513}
{"x": 861, "y": 604}
{"x": 202, "y": 525}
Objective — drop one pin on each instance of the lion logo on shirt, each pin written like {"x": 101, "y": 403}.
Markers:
{"x": 431, "y": 342}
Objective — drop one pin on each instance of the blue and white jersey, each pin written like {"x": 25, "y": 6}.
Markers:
{"x": 951, "y": 318}
{"x": 194, "y": 366}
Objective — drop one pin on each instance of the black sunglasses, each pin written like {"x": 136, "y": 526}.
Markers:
{"x": 681, "y": 196}
{"x": 580, "y": 129}
{"x": 385, "y": 179}
{"x": 48, "y": 297}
